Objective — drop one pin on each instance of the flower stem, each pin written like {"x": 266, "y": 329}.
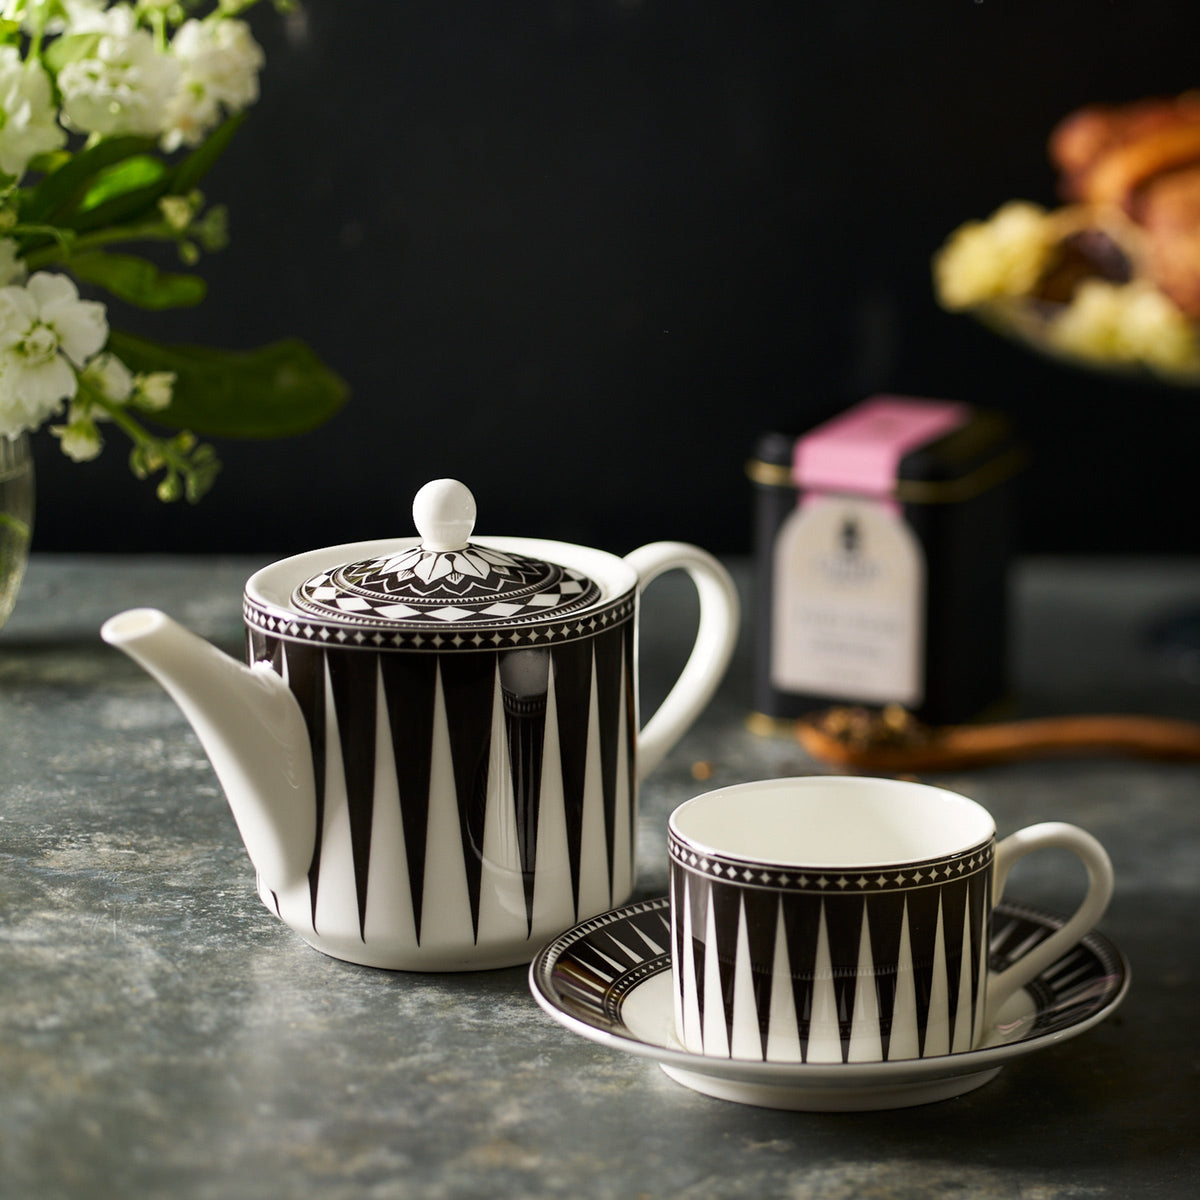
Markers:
{"x": 190, "y": 469}
{"x": 64, "y": 248}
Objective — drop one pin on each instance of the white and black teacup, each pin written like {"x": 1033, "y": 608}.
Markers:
{"x": 841, "y": 919}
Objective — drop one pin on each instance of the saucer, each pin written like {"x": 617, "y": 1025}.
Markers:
{"x": 609, "y": 980}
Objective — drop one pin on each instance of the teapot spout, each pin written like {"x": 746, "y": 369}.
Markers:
{"x": 251, "y": 728}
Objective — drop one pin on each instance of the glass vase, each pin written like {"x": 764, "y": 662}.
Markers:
{"x": 16, "y": 517}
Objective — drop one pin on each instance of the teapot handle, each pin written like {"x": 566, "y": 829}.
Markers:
{"x": 715, "y": 640}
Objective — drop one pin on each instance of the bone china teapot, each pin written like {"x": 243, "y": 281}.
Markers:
{"x": 433, "y": 755}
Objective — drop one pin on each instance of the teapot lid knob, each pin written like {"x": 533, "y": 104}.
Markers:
{"x": 444, "y": 514}
{"x": 422, "y": 588}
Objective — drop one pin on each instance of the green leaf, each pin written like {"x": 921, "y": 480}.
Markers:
{"x": 132, "y": 174}
{"x": 124, "y": 193}
{"x": 137, "y": 280}
{"x": 192, "y": 169}
{"x": 43, "y": 164}
{"x": 71, "y": 48}
{"x": 60, "y": 193}
{"x": 276, "y": 390}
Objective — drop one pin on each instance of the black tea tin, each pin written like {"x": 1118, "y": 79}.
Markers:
{"x": 882, "y": 545}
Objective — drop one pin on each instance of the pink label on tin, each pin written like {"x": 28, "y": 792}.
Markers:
{"x": 860, "y": 451}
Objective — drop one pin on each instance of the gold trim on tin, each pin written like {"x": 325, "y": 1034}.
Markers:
{"x": 769, "y": 474}
{"x": 917, "y": 491}
{"x": 967, "y": 487}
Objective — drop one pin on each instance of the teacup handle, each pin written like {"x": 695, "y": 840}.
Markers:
{"x": 715, "y": 639}
{"x": 1100, "y": 887}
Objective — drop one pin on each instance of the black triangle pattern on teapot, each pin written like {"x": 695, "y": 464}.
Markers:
{"x": 468, "y": 688}
{"x": 355, "y": 694}
{"x": 408, "y": 680}
{"x": 572, "y": 702}
{"x": 608, "y": 655}
{"x": 720, "y": 913}
{"x": 525, "y": 686}
{"x": 340, "y": 689}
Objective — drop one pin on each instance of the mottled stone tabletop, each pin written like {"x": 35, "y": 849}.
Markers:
{"x": 161, "y": 1034}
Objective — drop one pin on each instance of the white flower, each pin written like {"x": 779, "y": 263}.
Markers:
{"x": 79, "y": 437}
{"x": 46, "y": 332}
{"x": 12, "y": 269}
{"x": 153, "y": 390}
{"x": 177, "y": 211}
{"x": 220, "y": 61}
{"x": 110, "y": 377}
{"x": 99, "y": 16}
{"x": 27, "y": 114}
{"x": 125, "y": 87}
{"x": 55, "y": 16}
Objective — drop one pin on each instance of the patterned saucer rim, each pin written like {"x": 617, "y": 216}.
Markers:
{"x": 589, "y": 1020}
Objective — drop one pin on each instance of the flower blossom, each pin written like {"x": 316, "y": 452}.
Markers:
{"x": 54, "y": 16}
{"x": 126, "y": 84}
{"x": 153, "y": 390}
{"x": 12, "y": 268}
{"x": 109, "y": 377}
{"x": 220, "y": 61}
{"x": 79, "y": 438}
{"x": 27, "y": 115}
{"x": 47, "y": 333}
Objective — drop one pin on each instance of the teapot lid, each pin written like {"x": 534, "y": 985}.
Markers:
{"x": 446, "y": 580}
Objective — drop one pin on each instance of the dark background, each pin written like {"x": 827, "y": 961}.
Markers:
{"x": 580, "y": 253}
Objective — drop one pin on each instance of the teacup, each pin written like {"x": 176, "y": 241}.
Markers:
{"x": 841, "y": 919}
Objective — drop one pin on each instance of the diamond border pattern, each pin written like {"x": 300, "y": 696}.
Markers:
{"x": 353, "y": 631}
{"x": 818, "y": 881}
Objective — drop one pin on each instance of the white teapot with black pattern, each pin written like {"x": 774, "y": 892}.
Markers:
{"x": 433, "y": 754}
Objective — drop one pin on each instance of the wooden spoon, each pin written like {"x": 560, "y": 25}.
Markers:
{"x": 892, "y": 740}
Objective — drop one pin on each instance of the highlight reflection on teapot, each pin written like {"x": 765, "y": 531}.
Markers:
{"x": 433, "y": 755}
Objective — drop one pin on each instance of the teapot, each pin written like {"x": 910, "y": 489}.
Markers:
{"x": 433, "y": 753}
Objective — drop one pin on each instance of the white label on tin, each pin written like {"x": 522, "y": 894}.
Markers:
{"x": 849, "y": 600}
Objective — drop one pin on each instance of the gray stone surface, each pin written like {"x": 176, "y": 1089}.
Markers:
{"x": 162, "y": 1034}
